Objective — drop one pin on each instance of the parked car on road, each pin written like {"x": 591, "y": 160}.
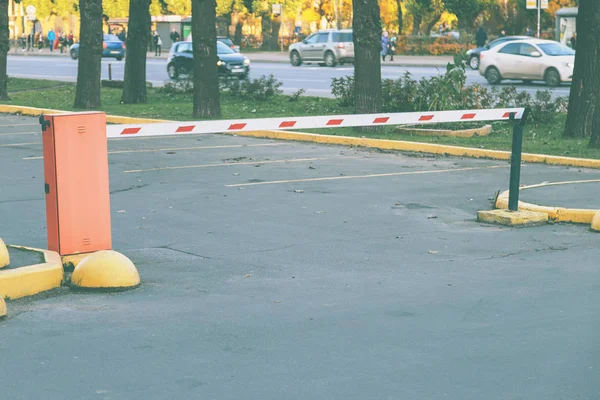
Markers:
{"x": 230, "y": 63}
{"x": 528, "y": 60}
{"x": 473, "y": 54}
{"x": 229, "y": 43}
{"x": 325, "y": 48}
{"x": 112, "y": 45}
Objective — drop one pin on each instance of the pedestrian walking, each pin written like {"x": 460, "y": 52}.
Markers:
{"x": 23, "y": 41}
{"x": 51, "y": 39}
{"x": 480, "y": 37}
{"x": 63, "y": 42}
{"x": 122, "y": 35}
{"x": 502, "y": 33}
{"x": 40, "y": 41}
{"x": 385, "y": 45}
{"x": 70, "y": 40}
{"x": 528, "y": 31}
{"x": 573, "y": 41}
{"x": 157, "y": 44}
{"x": 174, "y": 36}
{"x": 392, "y": 47}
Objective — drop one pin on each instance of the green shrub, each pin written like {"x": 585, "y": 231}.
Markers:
{"x": 449, "y": 91}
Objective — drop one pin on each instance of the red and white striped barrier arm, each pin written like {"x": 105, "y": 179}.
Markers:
{"x": 257, "y": 124}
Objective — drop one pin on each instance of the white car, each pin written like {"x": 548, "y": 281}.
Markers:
{"x": 528, "y": 60}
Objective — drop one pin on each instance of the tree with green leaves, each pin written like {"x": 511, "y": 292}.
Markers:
{"x": 138, "y": 36}
{"x": 467, "y": 11}
{"x": 367, "y": 61}
{"x": 205, "y": 73}
{"x": 87, "y": 92}
{"x": 583, "y": 117}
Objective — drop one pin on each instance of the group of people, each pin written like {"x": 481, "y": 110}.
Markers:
{"x": 54, "y": 41}
{"x": 388, "y": 45}
{"x": 157, "y": 41}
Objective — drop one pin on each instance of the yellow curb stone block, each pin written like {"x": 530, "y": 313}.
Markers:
{"x": 596, "y": 222}
{"x": 105, "y": 269}
{"x": 512, "y": 218}
{"x": 4, "y": 256}
{"x": 71, "y": 261}
{"x": 33, "y": 279}
{"x": 463, "y": 133}
{"x": 3, "y": 310}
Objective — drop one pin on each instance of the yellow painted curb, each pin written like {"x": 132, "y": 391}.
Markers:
{"x": 383, "y": 144}
{"x": 111, "y": 119}
{"x": 71, "y": 261}
{"x": 4, "y": 256}
{"x": 596, "y": 222}
{"x": 512, "y": 218}
{"x": 33, "y": 279}
{"x": 557, "y": 214}
{"x": 3, "y": 310}
{"x": 105, "y": 269}
{"x": 462, "y": 133}
{"x": 418, "y": 147}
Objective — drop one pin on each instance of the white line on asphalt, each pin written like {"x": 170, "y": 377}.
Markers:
{"x": 18, "y": 144}
{"x": 334, "y": 178}
{"x": 234, "y": 146}
{"x": 229, "y": 164}
{"x": 19, "y": 133}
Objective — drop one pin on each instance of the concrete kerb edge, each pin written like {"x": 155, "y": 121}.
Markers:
{"x": 420, "y": 147}
{"x": 111, "y": 119}
{"x": 32, "y": 279}
{"x": 383, "y": 144}
{"x": 555, "y": 214}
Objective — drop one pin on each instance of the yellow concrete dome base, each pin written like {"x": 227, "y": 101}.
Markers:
{"x": 3, "y": 310}
{"x": 596, "y": 222}
{"x": 4, "y": 257}
{"x": 106, "y": 270}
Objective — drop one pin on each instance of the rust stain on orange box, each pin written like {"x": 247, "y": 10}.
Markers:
{"x": 77, "y": 186}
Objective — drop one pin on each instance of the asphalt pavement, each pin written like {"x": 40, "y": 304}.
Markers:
{"x": 315, "y": 80}
{"x": 280, "y": 270}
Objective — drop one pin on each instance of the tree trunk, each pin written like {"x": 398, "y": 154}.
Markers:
{"x": 585, "y": 87}
{"x": 595, "y": 140}
{"x": 4, "y": 47}
{"x": 417, "y": 19}
{"x": 275, "y": 33}
{"x": 266, "y": 27}
{"x": 237, "y": 38}
{"x": 367, "y": 64}
{"x": 400, "y": 17}
{"x": 87, "y": 93}
{"x": 134, "y": 89}
{"x": 434, "y": 20}
{"x": 206, "y": 76}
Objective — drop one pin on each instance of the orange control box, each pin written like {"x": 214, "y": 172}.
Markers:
{"x": 76, "y": 182}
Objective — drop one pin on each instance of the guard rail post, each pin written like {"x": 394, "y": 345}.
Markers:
{"x": 515, "y": 160}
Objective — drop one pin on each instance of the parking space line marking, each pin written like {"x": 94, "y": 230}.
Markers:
{"x": 291, "y": 160}
{"x": 13, "y": 125}
{"x": 333, "y": 178}
{"x": 232, "y": 146}
{"x": 18, "y": 144}
{"x": 20, "y": 133}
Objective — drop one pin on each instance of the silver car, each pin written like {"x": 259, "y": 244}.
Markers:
{"x": 325, "y": 48}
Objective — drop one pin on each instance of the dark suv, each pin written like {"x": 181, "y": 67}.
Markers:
{"x": 230, "y": 63}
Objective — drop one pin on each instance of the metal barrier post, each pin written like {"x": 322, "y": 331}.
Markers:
{"x": 515, "y": 160}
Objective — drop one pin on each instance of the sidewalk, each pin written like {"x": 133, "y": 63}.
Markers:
{"x": 275, "y": 57}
